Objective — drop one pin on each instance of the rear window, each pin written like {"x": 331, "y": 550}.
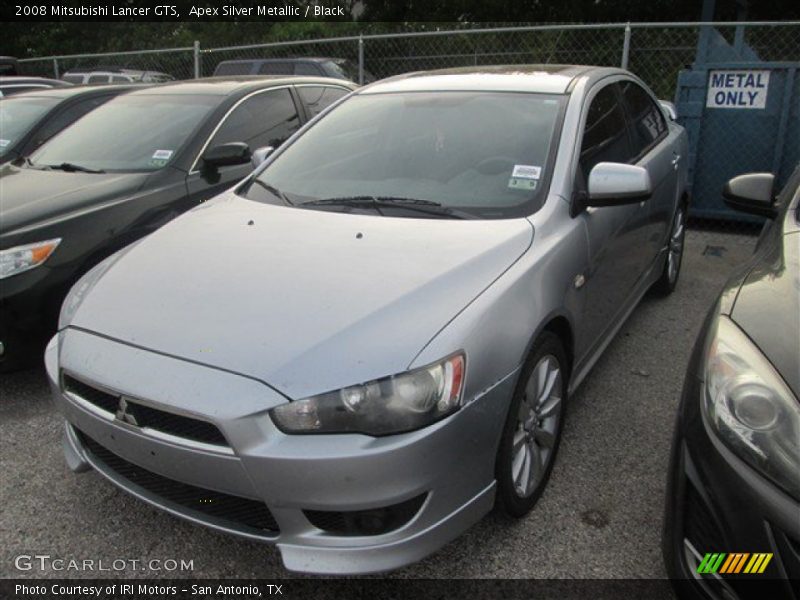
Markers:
{"x": 234, "y": 68}
{"x": 276, "y": 68}
{"x": 73, "y": 78}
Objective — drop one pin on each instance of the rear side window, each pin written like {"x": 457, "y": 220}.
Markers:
{"x": 318, "y": 98}
{"x": 265, "y": 119}
{"x": 304, "y": 68}
{"x": 234, "y": 68}
{"x": 605, "y": 138}
{"x": 276, "y": 68}
{"x": 647, "y": 122}
{"x": 120, "y": 79}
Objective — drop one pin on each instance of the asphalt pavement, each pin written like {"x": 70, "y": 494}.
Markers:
{"x": 600, "y": 516}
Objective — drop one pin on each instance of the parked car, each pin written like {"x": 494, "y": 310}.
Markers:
{"x": 360, "y": 348}
{"x": 28, "y": 120}
{"x": 337, "y": 68}
{"x": 99, "y": 75}
{"x": 17, "y": 85}
{"x": 733, "y": 497}
{"x": 8, "y": 66}
{"x": 123, "y": 171}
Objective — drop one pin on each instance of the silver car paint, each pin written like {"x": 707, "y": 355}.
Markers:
{"x": 486, "y": 289}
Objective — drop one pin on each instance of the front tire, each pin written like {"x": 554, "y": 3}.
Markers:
{"x": 532, "y": 431}
{"x": 672, "y": 265}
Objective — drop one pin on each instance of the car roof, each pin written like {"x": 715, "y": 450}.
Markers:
{"x": 315, "y": 59}
{"x": 224, "y": 86}
{"x": 109, "y": 69}
{"x": 546, "y": 79}
{"x": 62, "y": 93}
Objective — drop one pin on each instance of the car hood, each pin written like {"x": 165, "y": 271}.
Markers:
{"x": 767, "y": 308}
{"x": 29, "y": 197}
{"x": 306, "y": 301}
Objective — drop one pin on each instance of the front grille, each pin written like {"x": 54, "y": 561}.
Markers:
{"x": 145, "y": 416}
{"x": 374, "y": 521}
{"x": 699, "y": 524}
{"x": 231, "y": 511}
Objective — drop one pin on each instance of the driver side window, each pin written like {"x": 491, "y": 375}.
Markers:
{"x": 605, "y": 136}
{"x": 264, "y": 119}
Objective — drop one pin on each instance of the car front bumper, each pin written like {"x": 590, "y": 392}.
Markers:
{"x": 716, "y": 503}
{"x": 29, "y": 307}
{"x": 448, "y": 467}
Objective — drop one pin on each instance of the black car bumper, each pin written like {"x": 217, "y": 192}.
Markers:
{"x": 716, "y": 503}
{"x": 29, "y": 307}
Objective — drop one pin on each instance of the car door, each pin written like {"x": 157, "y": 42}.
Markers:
{"x": 263, "y": 118}
{"x": 655, "y": 149}
{"x": 615, "y": 233}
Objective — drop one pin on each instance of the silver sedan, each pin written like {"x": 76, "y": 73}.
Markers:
{"x": 367, "y": 344}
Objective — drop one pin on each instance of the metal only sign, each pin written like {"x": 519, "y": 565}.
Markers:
{"x": 737, "y": 89}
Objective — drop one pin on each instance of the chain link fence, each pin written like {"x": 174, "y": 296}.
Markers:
{"x": 656, "y": 52}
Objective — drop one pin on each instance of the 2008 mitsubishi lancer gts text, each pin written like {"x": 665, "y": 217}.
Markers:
{"x": 360, "y": 349}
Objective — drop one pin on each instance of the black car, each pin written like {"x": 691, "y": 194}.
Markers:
{"x": 124, "y": 170}
{"x": 732, "y": 521}
{"x": 9, "y": 65}
{"x": 17, "y": 85}
{"x": 337, "y": 68}
{"x": 28, "y": 120}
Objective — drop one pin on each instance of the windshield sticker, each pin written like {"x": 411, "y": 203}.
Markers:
{"x": 4, "y": 143}
{"x": 526, "y": 172}
{"x": 522, "y": 183}
{"x": 162, "y": 154}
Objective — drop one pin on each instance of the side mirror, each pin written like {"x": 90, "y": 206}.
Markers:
{"x": 614, "y": 184}
{"x": 670, "y": 109}
{"x": 260, "y": 155}
{"x": 233, "y": 153}
{"x": 751, "y": 193}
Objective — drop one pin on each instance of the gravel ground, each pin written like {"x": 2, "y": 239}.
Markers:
{"x": 600, "y": 516}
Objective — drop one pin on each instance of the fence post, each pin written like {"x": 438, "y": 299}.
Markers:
{"x": 55, "y": 68}
{"x": 626, "y": 46}
{"x": 360, "y": 59}
{"x": 196, "y": 59}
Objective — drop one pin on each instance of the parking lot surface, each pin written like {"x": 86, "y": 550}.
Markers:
{"x": 600, "y": 516}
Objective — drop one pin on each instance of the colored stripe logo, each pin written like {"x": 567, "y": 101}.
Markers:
{"x": 734, "y": 562}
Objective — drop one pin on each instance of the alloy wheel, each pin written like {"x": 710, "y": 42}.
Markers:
{"x": 537, "y": 424}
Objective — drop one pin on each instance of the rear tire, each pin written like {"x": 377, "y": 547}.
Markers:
{"x": 672, "y": 264}
{"x": 532, "y": 431}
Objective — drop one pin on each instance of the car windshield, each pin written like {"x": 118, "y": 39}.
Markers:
{"x": 128, "y": 133}
{"x": 484, "y": 154}
{"x": 17, "y": 117}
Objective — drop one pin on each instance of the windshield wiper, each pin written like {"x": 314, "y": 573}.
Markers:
{"x": 273, "y": 190}
{"x": 72, "y": 168}
{"x": 378, "y": 202}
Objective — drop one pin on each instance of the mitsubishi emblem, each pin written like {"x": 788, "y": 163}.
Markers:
{"x": 123, "y": 414}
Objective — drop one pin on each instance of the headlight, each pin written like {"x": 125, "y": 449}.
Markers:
{"x": 391, "y": 405}
{"x": 751, "y": 408}
{"x": 23, "y": 258}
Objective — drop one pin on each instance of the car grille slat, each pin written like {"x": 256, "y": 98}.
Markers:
{"x": 234, "y": 511}
{"x": 147, "y": 416}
